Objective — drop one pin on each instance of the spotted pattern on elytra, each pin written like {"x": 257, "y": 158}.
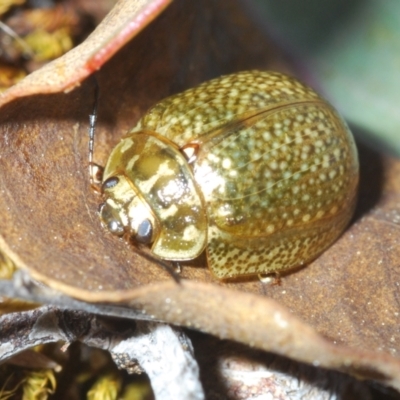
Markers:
{"x": 191, "y": 114}
{"x": 274, "y": 165}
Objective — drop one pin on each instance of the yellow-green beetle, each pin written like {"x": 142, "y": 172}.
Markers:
{"x": 253, "y": 167}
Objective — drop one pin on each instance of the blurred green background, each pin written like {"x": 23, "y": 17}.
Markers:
{"x": 349, "y": 50}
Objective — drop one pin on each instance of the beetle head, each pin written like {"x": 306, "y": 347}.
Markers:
{"x": 124, "y": 212}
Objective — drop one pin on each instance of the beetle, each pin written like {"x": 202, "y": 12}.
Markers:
{"x": 255, "y": 168}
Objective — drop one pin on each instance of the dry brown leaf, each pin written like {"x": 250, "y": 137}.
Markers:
{"x": 124, "y": 21}
{"x": 51, "y": 228}
{"x": 45, "y": 138}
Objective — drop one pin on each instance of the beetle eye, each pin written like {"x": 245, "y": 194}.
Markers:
{"x": 115, "y": 227}
{"x": 110, "y": 183}
{"x": 145, "y": 232}
{"x": 110, "y": 220}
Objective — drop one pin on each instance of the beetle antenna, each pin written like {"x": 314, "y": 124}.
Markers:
{"x": 95, "y": 171}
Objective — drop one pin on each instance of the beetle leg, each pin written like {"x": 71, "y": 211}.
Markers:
{"x": 272, "y": 278}
{"x": 96, "y": 177}
{"x": 177, "y": 266}
{"x": 146, "y": 253}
